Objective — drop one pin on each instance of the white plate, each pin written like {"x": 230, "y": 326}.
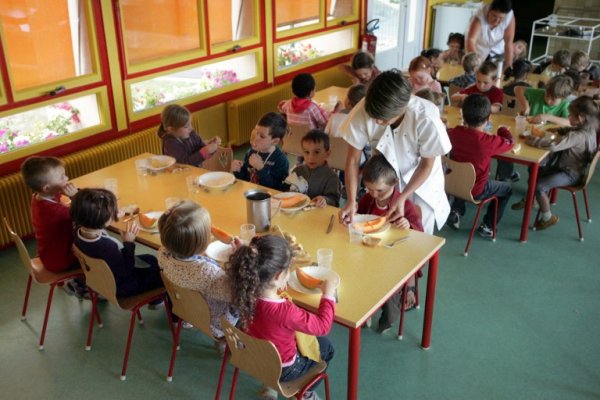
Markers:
{"x": 369, "y": 217}
{"x": 316, "y": 272}
{"x": 219, "y": 251}
{"x": 151, "y": 214}
{"x": 216, "y": 180}
{"x": 285, "y": 195}
{"x": 162, "y": 163}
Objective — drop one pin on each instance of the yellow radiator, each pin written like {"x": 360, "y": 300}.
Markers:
{"x": 15, "y": 197}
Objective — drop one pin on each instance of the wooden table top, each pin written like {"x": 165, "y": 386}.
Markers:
{"x": 448, "y": 72}
{"x": 368, "y": 275}
{"x": 322, "y": 96}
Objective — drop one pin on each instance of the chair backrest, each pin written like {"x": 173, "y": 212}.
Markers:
{"x": 460, "y": 178}
{"x": 188, "y": 305}
{"x": 509, "y": 105}
{"x": 220, "y": 161}
{"x": 452, "y": 89}
{"x": 256, "y": 357}
{"x": 339, "y": 151}
{"x": 98, "y": 276}
{"x": 292, "y": 141}
{"x": 23, "y": 253}
{"x": 591, "y": 168}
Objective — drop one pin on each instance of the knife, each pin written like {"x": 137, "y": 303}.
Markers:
{"x": 330, "y": 226}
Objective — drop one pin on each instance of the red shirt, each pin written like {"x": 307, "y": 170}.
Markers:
{"x": 53, "y": 232}
{"x": 278, "y": 321}
{"x": 368, "y": 205}
{"x": 495, "y": 95}
{"x": 478, "y": 148}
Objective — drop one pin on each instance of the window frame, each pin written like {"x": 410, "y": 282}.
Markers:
{"x": 281, "y": 35}
{"x": 242, "y": 43}
{"x": 342, "y": 21}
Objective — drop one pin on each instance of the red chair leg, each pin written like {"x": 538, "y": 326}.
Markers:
{"x": 26, "y": 301}
{"x": 94, "y": 296}
{"x": 128, "y": 345}
{"x": 169, "y": 316}
{"x": 98, "y": 319}
{"x": 139, "y": 315}
{"x": 174, "y": 352}
{"x": 403, "y": 298}
{"x": 473, "y": 228}
{"x": 222, "y": 374}
{"x": 495, "y": 222}
{"x": 327, "y": 394}
{"x": 574, "y": 196}
{"x": 587, "y": 206}
{"x": 46, "y": 315}
{"x": 233, "y": 384}
{"x": 553, "y": 196}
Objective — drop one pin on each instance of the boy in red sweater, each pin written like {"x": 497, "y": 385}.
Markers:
{"x": 471, "y": 144}
{"x": 486, "y": 76}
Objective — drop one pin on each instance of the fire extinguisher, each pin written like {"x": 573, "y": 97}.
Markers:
{"x": 369, "y": 40}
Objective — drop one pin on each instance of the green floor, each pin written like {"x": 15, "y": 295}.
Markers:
{"x": 512, "y": 321}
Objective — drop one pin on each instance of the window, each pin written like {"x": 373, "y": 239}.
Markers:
{"x": 232, "y": 21}
{"x": 293, "y": 16}
{"x": 341, "y": 10}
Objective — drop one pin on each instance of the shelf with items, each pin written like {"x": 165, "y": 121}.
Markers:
{"x": 554, "y": 26}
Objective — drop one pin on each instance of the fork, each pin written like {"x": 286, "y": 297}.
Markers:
{"x": 395, "y": 242}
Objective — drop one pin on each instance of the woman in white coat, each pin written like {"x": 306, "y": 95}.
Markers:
{"x": 409, "y": 132}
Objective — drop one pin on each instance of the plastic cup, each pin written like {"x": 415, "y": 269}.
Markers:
{"x": 333, "y": 101}
{"x": 192, "y": 184}
{"x": 520, "y": 124}
{"x": 171, "y": 201}
{"x": 112, "y": 185}
{"x": 247, "y": 232}
{"x": 141, "y": 167}
{"x": 355, "y": 233}
{"x": 325, "y": 258}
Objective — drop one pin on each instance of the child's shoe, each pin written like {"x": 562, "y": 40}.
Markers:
{"x": 485, "y": 231}
{"x": 186, "y": 325}
{"x": 540, "y": 224}
{"x": 310, "y": 395}
{"x": 155, "y": 305}
{"x": 519, "y": 205}
{"x": 453, "y": 220}
{"x": 69, "y": 288}
{"x": 267, "y": 393}
{"x": 221, "y": 345}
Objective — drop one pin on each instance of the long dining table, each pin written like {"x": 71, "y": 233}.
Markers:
{"x": 527, "y": 155}
{"x": 368, "y": 276}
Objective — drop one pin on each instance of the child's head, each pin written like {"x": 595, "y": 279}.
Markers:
{"x": 580, "y": 60}
{"x": 44, "y": 174}
{"x": 476, "y": 110}
{"x": 557, "y": 89}
{"x": 420, "y": 69}
{"x": 269, "y": 131}
{"x": 303, "y": 86}
{"x": 436, "y": 58}
{"x": 434, "y": 97}
{"x": 362, "y": 65}
{"x": 387, "y": 97}
{"x": 355, "y": 94}
{"x": 470, "y": 62}
{"x": 562, "y": 58}
{"x": 583, "y": 111}
{"x": 486, "y": 76}
{"x": 456, "y": 42}
{"x": 315, "y": 148}
{"x": 185, "y": 229}
{"x": 575, "y": 79}
{"x": 520, "y": 69}
{"x": 263, "y": 264}
{"x": 519, "y": 49}
{"x": 379, "y": 177}
{"x": 175, "y": 120}
{"x": 94, "y": 208}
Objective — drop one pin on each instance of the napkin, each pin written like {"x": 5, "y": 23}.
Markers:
{"x": 297, "y": 183}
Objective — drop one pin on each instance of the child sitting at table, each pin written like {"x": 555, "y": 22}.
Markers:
{"x": 315, "y": 178}
{"x": 456, "y": 46}
{"x": 185, "y": 235}
{"x": 470, "y": 63}
{"x": 561, "y": 60}
{"x": 381, "y": 182}
{"x": 434, "y": 97}
{"x": 180, "y": 140}
{"x": 302, "y": 109}
{"x": 519, "y": 48}
{"x": 258, "y": 273}
{"x": 519, "y": 71}
{"x": 436, "y": 58}
{"x": 471, "y": 144}
{"x": 574, "y": 148}
{"x": 486, "y": 77}
{"x": 92, "y": 210}
{"x": 354, "y": 95}
{"x": 265, "y": 163}
{"x": 580, "y": 62}
{"x": 362, "y": 69}
{"x": 420, "y": 71}
{"x": 52, "y": 225}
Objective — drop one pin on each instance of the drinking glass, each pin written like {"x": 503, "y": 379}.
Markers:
{"x": 520, "y": 124}
{"x": 192, "y": 184}
{"x": 247, "y": 232}
{"x": 355, "y": 233}
{"x": 141, "y": 167}
{"x": 325, "y": 258}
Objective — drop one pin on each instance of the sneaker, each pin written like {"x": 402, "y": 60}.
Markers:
{"x": 518, "y": 205}
{"x": 310, "y": 395}
{"x": 540, "y": 224}
{"x": 485, "y": 231}
{"x": 515, "y": 177}
{"x": 186, "y": 325}
{"x": 155, "y": 305}
{"x": 453, "y": 220}
{"x": 69, "y": 288}
{"x": 267, "y": 393}
{"x": 383, "y": 328}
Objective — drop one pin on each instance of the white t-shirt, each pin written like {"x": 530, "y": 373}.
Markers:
{"x": 420, "y": 134}
{"x": 491, "y": 41}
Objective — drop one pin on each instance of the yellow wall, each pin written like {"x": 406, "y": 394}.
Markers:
{"x": 429, "y": 19}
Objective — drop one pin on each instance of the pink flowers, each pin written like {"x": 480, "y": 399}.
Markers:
{"x": 296, "y": 53}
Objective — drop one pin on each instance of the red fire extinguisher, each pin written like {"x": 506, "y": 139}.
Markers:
{"x": 369, "y": 40}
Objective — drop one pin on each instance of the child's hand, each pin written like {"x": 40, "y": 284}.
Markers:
{"x": 328, "y": 286}
{"x": 69, "y": 189}
{"x": 535, "y": 120}
{"x": 402, "y": 223}
{"x": 236, "y": 165}
{"x": 319, "y": 202}
{"x": 131, "y": 231}
{"x": 236, "y": 243}
{"x": 256, "y": 161}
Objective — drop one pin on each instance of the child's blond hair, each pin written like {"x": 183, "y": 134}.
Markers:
{"x": 471, "y": 62}
{"x": 35, "y": 171}
{"x": 559, "y": 86}
{"x": 434, "y": 97}
{"x": 579, "y": 60}
{"x": 185, "y": 229}
{"x": 562, "y": 57}
{"x": 173, "y": 116}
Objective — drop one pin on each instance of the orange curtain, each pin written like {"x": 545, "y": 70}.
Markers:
{"x": 290, "y": 11}
{"x": 219, "y": 21}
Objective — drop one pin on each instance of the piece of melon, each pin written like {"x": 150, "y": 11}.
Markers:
{"x": 370, "y": 226}
{"x": 292, "y": 201}
{"x": 537, "y": 131}
{"x": 147, "y": 222}
{"x": 306, "y": 280}
{"x": 221, "y": 235}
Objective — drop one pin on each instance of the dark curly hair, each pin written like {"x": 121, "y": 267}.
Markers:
{"x": 253, "y": 267}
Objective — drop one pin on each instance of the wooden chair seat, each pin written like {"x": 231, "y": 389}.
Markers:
{"x": 289, "y": 389}
{"x": 130, "y": 302}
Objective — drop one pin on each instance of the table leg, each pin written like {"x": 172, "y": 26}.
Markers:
{"x": 429, "y": 300}
{"x": 353, "y": 363}
{"x": 533, "y": 173}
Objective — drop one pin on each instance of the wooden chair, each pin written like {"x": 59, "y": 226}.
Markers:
{"x": 220, "y": 161}
{"x": 101, "y": 281}
{"x": 339, "y": 151}
{"x": 189, "y": 305}
{"x": 292, "y": 141}
{"x": 576, "y": 188}
{"x": 460, "y": 178}
{"x": 259, "y": 358}
{"x": 36, "y": 271}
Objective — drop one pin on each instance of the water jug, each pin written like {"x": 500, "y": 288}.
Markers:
{"x": 258, "y": 209}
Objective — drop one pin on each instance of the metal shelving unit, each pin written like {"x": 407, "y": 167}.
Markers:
{"x": 566, "y": 28}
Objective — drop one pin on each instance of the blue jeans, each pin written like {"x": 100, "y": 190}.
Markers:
{"x": 502, "y": 190}
{"x": 303, "y": 364}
